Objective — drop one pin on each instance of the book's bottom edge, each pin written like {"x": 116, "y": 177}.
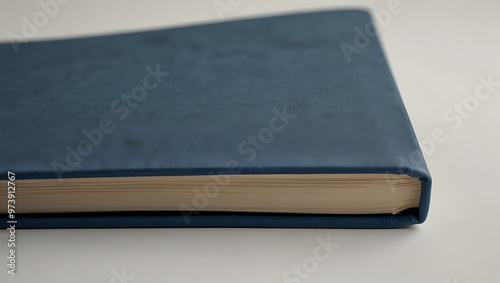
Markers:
{"x": 210, "y": 220}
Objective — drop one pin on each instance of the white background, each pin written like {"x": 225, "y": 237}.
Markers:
{"x": 437, "y": 51}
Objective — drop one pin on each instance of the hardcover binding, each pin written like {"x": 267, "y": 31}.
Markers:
{"x": 316, "y": 87}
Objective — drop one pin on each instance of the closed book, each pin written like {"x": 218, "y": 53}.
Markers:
{"x": 289, "y": 121}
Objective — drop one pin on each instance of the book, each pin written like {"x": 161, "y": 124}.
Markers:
{"x": 287, "y": 121}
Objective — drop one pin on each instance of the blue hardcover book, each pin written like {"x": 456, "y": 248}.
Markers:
{"x": 291, "y": 121}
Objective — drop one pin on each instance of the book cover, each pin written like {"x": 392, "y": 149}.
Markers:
{"x": 295, "y": 94}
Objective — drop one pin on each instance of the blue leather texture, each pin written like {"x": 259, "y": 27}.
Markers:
{"x": 273, "y": 95}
